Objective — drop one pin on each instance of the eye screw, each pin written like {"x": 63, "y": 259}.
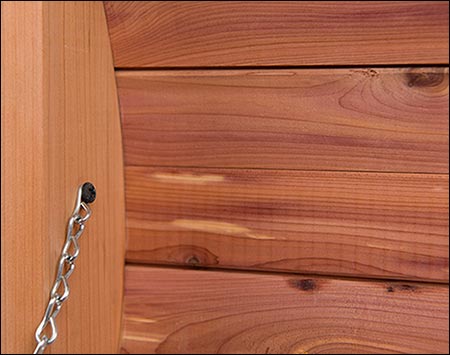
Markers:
{"x": 88, "y": 193}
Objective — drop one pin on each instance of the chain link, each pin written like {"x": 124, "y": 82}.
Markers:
{"x": 66, "y": 264}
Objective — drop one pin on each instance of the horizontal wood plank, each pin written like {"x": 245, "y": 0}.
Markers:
{"x": 366, "y": 224}
{"x": 169, "y": 311}
{"x": 373, "y": 120}
{"x": 277, "y": 33}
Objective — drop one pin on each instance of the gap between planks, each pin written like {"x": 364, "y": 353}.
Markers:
{"x": 282, "y": 67}
{"x": 286, "y": 169}
{"x": 285, "y": 273}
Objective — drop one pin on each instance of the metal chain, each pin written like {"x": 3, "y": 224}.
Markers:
{"x": 66, "y": 264}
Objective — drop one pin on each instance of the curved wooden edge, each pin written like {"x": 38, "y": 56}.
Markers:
{"x": 60, "y": 127}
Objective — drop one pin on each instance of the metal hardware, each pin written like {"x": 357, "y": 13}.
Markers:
{"x": 60, "y": 291}
{"x": 88, "y": 194}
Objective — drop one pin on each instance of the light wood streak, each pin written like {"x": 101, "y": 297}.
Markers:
{"x": 366, "y": 224}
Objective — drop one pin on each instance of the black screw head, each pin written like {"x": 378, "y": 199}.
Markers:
{"x": 88, "y": 193}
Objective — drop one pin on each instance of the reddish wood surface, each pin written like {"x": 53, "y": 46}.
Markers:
{"x": 365, "y": 224}
{"x": 203, "y": 312}
{"x": 337, "y": 119}
{"x": 247, "y": 33}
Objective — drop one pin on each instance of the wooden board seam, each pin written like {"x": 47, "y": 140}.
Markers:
{"x": 285, "y": 273}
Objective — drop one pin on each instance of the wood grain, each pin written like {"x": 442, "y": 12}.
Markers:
{"x": 208, "y": 312}
{"x": 393, "y": 120}
{"x": 366, "y": 224}
{"x": 60, "y": 127}
{"x": 277, "y": 33}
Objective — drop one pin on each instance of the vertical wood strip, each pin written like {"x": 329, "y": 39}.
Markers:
{"x": 60, "y": 128}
